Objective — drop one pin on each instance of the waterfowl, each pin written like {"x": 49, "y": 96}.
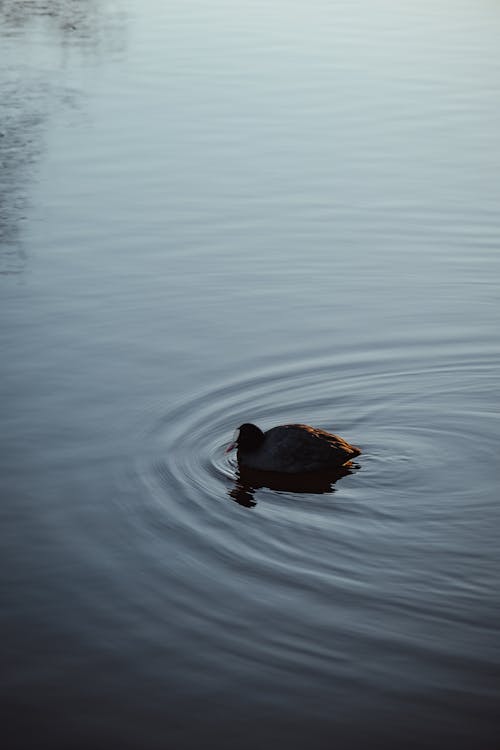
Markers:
{"x": 291, "y": 449}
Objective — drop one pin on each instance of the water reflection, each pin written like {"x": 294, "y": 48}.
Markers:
{"x": 250, "y": 480}
{"x": 29, "y": 97}
{"x": 20, "y": 145}
{"x": 72, "y": 19}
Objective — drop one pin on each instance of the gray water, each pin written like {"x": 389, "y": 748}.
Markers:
{"x": 216, "y": 212}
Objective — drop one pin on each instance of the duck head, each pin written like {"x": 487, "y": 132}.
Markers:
{"x": 248, "y": 438}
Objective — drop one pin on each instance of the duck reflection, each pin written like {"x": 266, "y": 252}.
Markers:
{"x": 250, "y": 480}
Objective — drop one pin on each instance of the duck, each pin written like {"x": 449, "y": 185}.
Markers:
{"x": 291, "y": 449}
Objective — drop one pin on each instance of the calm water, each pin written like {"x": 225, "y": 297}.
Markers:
{"x": 215, "y": 212}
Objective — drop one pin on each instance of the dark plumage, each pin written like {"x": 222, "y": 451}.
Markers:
{"x": 291, "y": 449}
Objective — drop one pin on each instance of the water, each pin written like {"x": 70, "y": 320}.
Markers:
{"x": 212, "y": 213}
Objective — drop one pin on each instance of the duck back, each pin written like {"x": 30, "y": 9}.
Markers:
{"x": 297, "y": 448}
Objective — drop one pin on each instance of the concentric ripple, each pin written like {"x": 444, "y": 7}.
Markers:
{"x": 384, "y": 551}
{"x": 387, "y": 405}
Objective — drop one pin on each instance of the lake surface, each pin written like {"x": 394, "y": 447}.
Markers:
{"x": 218, "y": 212}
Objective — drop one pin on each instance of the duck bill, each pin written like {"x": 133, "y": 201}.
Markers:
{"x": 230, "y": 448}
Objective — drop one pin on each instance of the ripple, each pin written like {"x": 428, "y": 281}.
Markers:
{"x": 384, "y": 402}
